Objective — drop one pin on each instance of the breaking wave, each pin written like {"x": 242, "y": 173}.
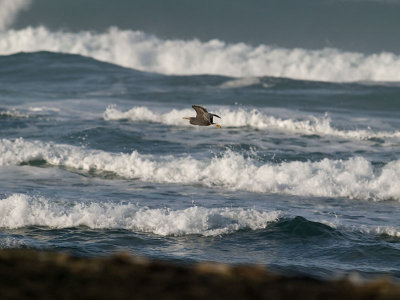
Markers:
{"x": 19, "y": 210}
{"x": 353, "y": 178}
{"x": 248, "y": 118}
{"x": 138, "y": 50}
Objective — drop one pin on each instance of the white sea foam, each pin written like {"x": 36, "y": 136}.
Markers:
{"x": 13, "y": 114}
{"x": 138, "y": 50}
{"x": 19, "y": 210}
{"x": 9, "y": 10}
{"x": 352, "y": 178}
{"x": 143, "y": 113}
{"x": 249, "y": 118}
{"x": 383, "y": 230}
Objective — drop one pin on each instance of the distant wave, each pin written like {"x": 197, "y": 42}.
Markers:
{"x": 12, "y": 114}
{"x": 352, "y": 178}
{"x": 248, "y": 118}
{"x": 34, "y": 112}
{"x": 19, "y": 210}
{"x": 138, "y": 50}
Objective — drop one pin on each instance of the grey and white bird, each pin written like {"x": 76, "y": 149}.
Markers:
{"x": 203, "y": 117}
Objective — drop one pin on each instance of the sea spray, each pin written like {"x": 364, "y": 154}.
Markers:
{"x": 9, "y": 10}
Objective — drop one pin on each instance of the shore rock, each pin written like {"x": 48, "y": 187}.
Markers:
{"x": 29, "y": 274}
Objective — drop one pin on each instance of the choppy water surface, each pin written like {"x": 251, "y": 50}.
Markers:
{"x": 96, "y": 158}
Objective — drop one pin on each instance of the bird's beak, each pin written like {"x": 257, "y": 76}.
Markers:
{"x": 186, "y": 118}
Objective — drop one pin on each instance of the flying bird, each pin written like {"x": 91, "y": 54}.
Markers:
{"x": 203, "y": 117}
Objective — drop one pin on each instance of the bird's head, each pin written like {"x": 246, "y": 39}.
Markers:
{"x": 189, "y": 118}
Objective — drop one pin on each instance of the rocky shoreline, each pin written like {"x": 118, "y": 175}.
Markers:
{"x": 29, "y": 274}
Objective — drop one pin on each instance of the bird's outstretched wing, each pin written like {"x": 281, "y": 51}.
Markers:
{"x": 200, "y": 110}
{"x": 201, "y": 113}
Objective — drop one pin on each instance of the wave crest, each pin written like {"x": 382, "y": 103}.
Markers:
{"x": 138, "y": 50}
{"x": 19, "y": 210}
{"x": 352, "y": 178}
{"x": 248, "y": 118}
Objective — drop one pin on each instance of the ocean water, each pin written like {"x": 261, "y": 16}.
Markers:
{"x": 303, "y": 176}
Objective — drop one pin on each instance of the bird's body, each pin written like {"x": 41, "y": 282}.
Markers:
{"x": 203, "y": 117}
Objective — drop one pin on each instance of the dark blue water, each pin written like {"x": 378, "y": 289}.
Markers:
{"x": 95, "y": 158}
